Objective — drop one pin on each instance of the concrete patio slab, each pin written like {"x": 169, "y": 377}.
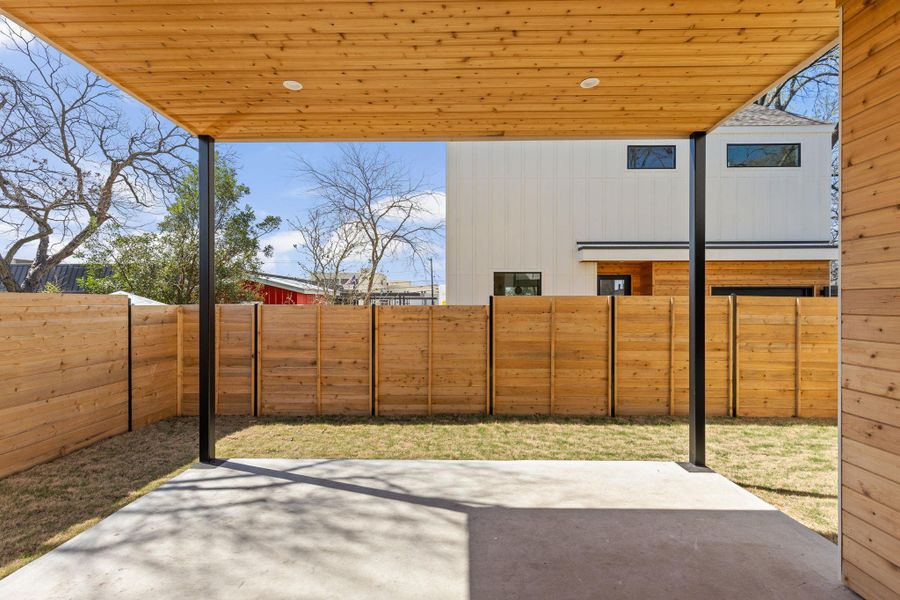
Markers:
{"x": 440, "y": 529}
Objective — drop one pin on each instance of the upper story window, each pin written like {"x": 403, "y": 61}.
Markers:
{"x": 651, "y": 157}
{"x": 517, "y": 284}
{"x": 763, "y": 155}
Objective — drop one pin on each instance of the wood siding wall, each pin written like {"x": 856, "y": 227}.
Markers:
{"x": 870, "y": 428}
{"x": 670, "y": 278}
{"x": 65, "y": 375}
{"x": 641, "y": 274}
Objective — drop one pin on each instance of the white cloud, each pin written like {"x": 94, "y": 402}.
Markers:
{"x": 284, "y": 256}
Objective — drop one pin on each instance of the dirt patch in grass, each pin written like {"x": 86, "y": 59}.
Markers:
{"x": 790, "y": 463}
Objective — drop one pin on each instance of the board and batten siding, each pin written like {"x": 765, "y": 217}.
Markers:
{"x": 523, "y": 206}
{"x": 870, "y": 282}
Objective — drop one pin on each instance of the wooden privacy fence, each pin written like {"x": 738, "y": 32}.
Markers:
{"x": 64, "y": 365}
{"x": 68, "y": 380}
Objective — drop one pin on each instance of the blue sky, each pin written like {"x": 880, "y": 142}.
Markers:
{"x": 269, "y": 170}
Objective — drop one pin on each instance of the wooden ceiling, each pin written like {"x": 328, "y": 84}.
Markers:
{"x": 448, "y": 69}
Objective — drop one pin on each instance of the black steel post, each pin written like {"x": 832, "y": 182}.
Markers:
{"x": 697, "y": 293}
{"x": 130, "y": 378}
{"x": 207, "y": 207}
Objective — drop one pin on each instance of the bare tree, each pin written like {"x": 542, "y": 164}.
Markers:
{"x": 368, "y": 190}
{"x": 68, "y": 161}
{"x": 326, "y": 245}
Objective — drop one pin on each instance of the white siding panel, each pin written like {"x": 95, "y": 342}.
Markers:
{"x": 522, "y": 206}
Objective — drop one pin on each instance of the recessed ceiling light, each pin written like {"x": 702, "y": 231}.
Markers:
{"x": 589, "y": 83}
{"x": 294, "y": 86}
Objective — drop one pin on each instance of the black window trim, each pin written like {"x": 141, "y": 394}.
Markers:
{"x": 806, "y": 291}
{"x": 540, "y": 280}
{"x": 674, "y": 157}
{"x": 608, "y": 277}
{"x": 797, "y": 166}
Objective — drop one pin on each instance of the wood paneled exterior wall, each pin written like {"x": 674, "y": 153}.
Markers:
{"x": 870, "y": 428}
{"x": 671, "y": 278}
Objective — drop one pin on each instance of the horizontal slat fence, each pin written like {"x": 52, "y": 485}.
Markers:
{"x": 787, "y": 355}
{"x": 154, "y": 363}
{"x": 551, "y": 355}
{"x": 431, "y": 360}
{"x": 65, "y": 375}
{"x": 65, "y": 363}
{"x": 314, "y": 360}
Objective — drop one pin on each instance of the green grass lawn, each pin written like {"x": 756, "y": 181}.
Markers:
{"x": 790, "y": 463}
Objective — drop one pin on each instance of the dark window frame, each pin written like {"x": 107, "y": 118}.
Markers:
{"x": 626, "y": 277}
{"x": 806, "y": 291}
{"x": 799, "y": 146}
{"x": 540, "y": 281}
{"x": 631, "y": 147}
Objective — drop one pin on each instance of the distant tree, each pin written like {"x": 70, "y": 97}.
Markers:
{"x": 164, "y": 265}
{"x": 326, "y": 245}
{"x": 369, "y": 192}
{"x": 69, "y": 163}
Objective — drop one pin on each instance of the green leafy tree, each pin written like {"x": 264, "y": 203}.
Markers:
{"x": 164, "y": 265}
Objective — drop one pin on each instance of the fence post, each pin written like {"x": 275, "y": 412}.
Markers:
{"x": 797, "y": 379}
{"x": 612, "y": 356}
{"x": 257, "y": 357}
{"x": 130, "y": 409}
{"x": 373, "y": 353}
{"x": 488, "y": 333}
{"x": 671, "y": 355}
{"x": 552, "y": 355}
{"x": 490, "y": 356}
{"x": 735, "y": 362}
{"x": 218, "y": 321}
{"x": 179, "y": 360}
{"x": 318, "y": 359}
{"x": 430, "y": 353}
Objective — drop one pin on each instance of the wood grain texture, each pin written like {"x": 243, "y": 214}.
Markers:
{"x": 439, "y": 70}
{"x": 65, "y": 366}
{"x": 870, "y": 223}
{"x": 154, "y": 363}
{"x": 670, "y": 278}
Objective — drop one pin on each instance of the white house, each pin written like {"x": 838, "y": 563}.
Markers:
{"x": 589, "y": 217}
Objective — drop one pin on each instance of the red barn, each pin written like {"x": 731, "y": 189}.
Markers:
{"x": 280, "y": 289}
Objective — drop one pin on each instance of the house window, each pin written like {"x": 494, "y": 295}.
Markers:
{"x": 651, "y": 157}
{"x": 613, "y": 285}
{"x": 763, "y": 155}
{"x": 788, "y": 291}
{"x": 517, "y": 284}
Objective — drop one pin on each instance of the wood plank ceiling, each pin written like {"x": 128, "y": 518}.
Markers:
{"x": 448, "y": 69}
